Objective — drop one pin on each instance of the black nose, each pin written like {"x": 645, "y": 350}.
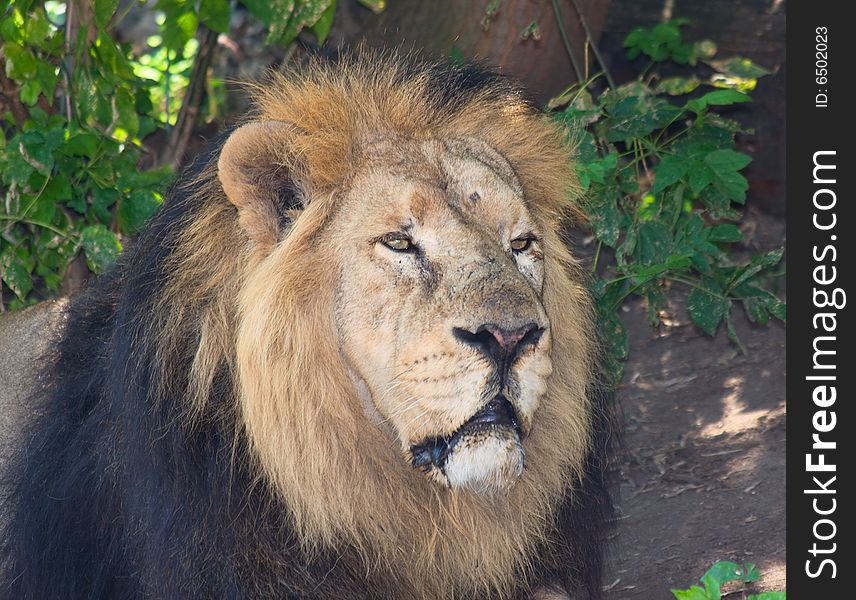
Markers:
{"x": 500, "y": 345}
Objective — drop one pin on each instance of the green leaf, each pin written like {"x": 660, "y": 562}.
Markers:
{"x": 649, "y": 207}
{"x": 77, "y": 203}
{"x": 597, "y": 169}
{"x": 37, "y": 28}
{"x": 103, "y": 10}
{"x": 646, "y": 274}
{"x": 113, "y": 58}
{"x": 135, "y": 209}
{"x": 182, "y": 21}
{"x": 670, "y": 170}
{"x": 215, "y": 14}
{"x": 725, "y": 165}
{"x": 81, "y": 144}
{"x": 731, "y": 332}
{"x": 739, "y": 67}
{"x": 322, "y": 26}
{"x": 677, "y": 262}
{"x": 37, "y": 150}
{"x": 30, "y": 91}
{"x": 151, "y": 179}
{"x": 10, "y": 30}
{"x": 125, "y": 112}
{"x": 777, "y": 308}
{"x": 612, "y": 333}
{"x": 677, "y": 86}
{"x": 305, "y": 14}
{"x": 102, "y": 200}
{"x": 756, "y": 310}
{"x": 655, "y": 243}
{"x": 699, "y": 176}
{"x": 20, "y": 62}
{"x": 694, "y": 593}
{"x": 656, "y": 302}
{"x": 660, "y": 43}
{"x": 46, "y": 75}
{"x": 639, "y": 115}
{"x": 14, "y": 273}
{"x": 724, "y": 572}
{"x": 376, "y": 6}
{"x": 101, "y": 247}
{"x": 705, "y": 49}
{"x": 718, "y": 203}
{"x": 627, "y": 246}
{"x": 263, "y": 11}
{"x": 58, "y": 188}
{"x": 758, "y": 263}
{"x": 605, "y": 217}
{"x": 751, "y": 573}
{"x": 725, "y": 232}
{"x": 707, "y": 308}
{"x": 711, "y": 585}
{"x": 716, "y": 98}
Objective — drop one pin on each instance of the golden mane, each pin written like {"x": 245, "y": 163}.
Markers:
{"x": 261, "y": 309}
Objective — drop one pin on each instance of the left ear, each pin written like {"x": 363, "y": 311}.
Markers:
{"x": 260, "y": 177}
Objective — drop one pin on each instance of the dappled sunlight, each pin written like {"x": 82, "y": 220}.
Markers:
{"x": 773, "y": 575}
{"x": 736, "y": 418}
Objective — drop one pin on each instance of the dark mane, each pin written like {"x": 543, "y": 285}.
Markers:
{"x": 120, "y": 493}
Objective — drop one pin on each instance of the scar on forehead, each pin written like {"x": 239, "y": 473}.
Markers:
{"x": 474, "y": 197}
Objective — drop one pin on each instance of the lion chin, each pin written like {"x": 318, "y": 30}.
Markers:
{"x": 484, "y": 455}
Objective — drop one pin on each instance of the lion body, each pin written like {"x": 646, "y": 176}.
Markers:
{"x": 218, "y": 418}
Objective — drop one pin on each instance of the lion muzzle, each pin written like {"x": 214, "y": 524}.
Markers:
{"x": 484, "y": 454}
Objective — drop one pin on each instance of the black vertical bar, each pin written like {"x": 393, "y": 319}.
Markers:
{"x": 820, "y": 258}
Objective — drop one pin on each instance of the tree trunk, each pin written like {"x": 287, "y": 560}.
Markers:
{"x": 520, "y": 37}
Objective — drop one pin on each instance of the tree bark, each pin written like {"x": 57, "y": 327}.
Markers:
{"x": 520, "y": 37}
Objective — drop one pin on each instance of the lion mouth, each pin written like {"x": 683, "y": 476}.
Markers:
{"x": 496, "y": 414}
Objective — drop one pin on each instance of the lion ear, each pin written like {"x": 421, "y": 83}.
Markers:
{"x": 258, "y": 175}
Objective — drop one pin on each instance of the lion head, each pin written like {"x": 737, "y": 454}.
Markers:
{"x": 410, "y": 337}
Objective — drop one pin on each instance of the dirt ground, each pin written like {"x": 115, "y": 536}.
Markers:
{"x": 702, "y": 476}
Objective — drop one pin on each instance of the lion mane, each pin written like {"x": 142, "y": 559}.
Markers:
{"x": 195, "y": 433}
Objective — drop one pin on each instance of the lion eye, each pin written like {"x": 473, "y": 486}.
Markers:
{"x": 397, "y": 242}
{"x": 521, "y": 244}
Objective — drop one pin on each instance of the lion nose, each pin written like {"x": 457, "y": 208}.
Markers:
{"x": 499, "y": 344}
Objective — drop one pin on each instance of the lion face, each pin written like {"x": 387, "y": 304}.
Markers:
{"x": 439, "y": 313}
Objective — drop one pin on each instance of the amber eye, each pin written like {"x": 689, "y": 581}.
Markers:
{"x": 397, "y": 242}
{"x": 521, "y": 244}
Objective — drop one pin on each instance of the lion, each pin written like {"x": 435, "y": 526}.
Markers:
{"x": 350, "y": 357}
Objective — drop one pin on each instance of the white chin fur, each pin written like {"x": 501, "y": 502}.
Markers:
{"x": 489, "y": 464}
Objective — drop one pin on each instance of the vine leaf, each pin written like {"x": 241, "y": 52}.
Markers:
{"x": 103, "y": 10}
{"x": 100, "y": 246}
{"x": 14, "y": 273}
{"x": 707, "y": 308}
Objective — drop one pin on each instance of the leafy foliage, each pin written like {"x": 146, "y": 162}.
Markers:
{"x": 661, "y": 175}
{"x": 722, "y": 574}
{"x": 68, "y": 167}
{"x": 82, "y": 110}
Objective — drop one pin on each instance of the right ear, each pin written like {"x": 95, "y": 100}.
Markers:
{"x": 257, "y": 172}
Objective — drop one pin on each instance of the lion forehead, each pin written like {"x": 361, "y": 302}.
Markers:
{"x": 400, "y": 182}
